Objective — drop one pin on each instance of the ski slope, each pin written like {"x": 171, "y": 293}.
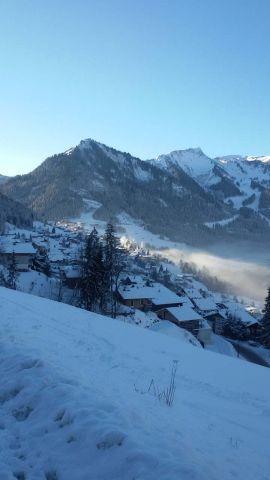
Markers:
{"x": 74, "y": 401}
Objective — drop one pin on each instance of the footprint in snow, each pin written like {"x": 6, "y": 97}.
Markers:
{"x": 51, "y": 475}
{"x": 63, "y": 418}
{"x": 111, "y": 439}
{"x": 31, "y": 363}
{"x": 21, "y": 414}
{"x": 9, "y": 394}
{"x": 15, "y": 444}
{"x": 19, "y": 475}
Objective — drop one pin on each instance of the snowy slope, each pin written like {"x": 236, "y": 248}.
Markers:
{"x": 244, "y": 171}
{"x": 193, "y": 161}
{"x": 74, "y": 401}
{"x": 220, "y": 345}
{"x": 167, "y": 328}
{"x": 245, "y": 177}
{"x": 262, "y": 158}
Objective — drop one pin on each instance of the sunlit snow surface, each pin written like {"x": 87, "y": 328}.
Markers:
{"x": 74, "y": 401}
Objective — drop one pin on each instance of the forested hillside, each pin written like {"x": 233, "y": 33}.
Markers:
{"x": 14, "y": 212}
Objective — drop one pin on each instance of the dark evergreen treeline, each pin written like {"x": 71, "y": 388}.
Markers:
{"x": 103, "y": 260}
{"x": 266, "y": 320}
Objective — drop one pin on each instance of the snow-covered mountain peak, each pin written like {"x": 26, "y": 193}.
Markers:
{"x": 91, "y": 145}
{"x": 263, "y": 159}
{"x": 192, "y": 160}
{"x": 229, "y": 159}
{"x": 86, "y": 144}
{"x": 240, "y": 158}
{"x": 96, "y": 153}
{"x": 188, "y": 153}
{"x": 195, "y": 150}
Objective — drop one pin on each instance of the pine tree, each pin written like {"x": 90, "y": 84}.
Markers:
{"x": 114, "y": 264}
{"x": 102, "y": 263}
{"x": 266, "y": 318}
{"x": 3, "y": 282}
{"x": 110, "y": 245}
{"x": 92, "y": 273}
{"x": 12, "y": 273}
{"x": 100, "y": 277}
{"x": 87, "y": 286}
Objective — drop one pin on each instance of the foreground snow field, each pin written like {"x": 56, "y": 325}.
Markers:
{"x": 74, "y": 401}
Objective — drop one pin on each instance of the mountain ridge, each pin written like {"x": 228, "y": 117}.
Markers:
{"x": 228, "y": 176}
{"x": 176, "y": 195}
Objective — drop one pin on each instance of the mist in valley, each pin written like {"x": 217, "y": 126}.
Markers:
{"x": 245, "y": 266}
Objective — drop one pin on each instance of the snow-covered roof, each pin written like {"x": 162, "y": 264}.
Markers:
{"x": 186, "y": 301}
{"x": 205, "y": 304}
{"x": 72, "y": 271}
{"x": 56, "y": 256}
{"x": 239, "y": 312}
{"x": 220, "y": 312}
{"x": 192, "y": 292}
{"x": 159, "y": 294}
{"x": 184, "y": 313}
{"x": 40, "y": 242}
{"x": 17, "y": 248}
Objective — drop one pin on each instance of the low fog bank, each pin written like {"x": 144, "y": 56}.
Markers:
{"x": 243, "y": 265}
{"x": 246, "y": 267}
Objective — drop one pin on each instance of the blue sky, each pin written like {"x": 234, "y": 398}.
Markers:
{"x": 144, "y": 76}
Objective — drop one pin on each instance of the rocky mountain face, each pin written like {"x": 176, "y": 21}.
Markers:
{"x": 15, "y": 213}
{"x": 184, "y": 195}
